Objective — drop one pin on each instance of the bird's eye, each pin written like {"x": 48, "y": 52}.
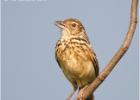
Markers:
{"x": 73, "y": 25}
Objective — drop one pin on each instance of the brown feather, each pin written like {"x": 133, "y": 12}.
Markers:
{"x": 75, "y": 56}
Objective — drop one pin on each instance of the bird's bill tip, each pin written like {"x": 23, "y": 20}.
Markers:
{"x": 60, "y": 24}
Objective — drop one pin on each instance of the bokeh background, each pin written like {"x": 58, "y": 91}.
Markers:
{"x": 29, "y": 69}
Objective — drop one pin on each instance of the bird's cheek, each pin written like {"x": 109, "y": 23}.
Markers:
{"x": 74, "y": 32}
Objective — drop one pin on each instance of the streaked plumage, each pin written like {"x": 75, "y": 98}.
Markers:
{"x": 74, "y": 54}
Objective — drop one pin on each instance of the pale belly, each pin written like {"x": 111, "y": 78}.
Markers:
{"x": 78, "y": 70}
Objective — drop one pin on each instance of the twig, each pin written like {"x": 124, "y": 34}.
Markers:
{"x": 124, "y": 47}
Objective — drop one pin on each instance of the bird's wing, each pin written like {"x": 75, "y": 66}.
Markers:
{"x": 94, "y": 61}
{"x": 92, "y": 56}
{"x": 56, "y": 51}
{"x": 57, "y": 60}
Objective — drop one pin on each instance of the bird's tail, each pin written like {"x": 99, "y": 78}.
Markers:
{"x": 91, "y": 97}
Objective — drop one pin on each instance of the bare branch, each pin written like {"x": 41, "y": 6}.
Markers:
{"x": 109, "y": 67}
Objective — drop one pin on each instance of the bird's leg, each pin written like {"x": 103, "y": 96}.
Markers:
{"x": 71, "y": 93}
{"x": 80, "y": 94}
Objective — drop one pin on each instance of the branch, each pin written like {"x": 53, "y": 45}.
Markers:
{"x": 122, "y": 50}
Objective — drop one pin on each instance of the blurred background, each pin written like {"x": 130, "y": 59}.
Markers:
{"x": 29, "y": 69}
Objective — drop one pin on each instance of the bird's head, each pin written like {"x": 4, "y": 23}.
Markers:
{"x": 70, "y": 26}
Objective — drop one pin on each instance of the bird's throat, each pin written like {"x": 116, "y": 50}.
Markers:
{"x": 65, "y": 34}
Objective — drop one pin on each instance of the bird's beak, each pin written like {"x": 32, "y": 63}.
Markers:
{"x": 60, "y": 24}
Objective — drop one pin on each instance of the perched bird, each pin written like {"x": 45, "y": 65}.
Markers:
{"x": 75, "y": 56}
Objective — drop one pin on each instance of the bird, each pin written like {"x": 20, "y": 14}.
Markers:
{"x": 75, "y": 56}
